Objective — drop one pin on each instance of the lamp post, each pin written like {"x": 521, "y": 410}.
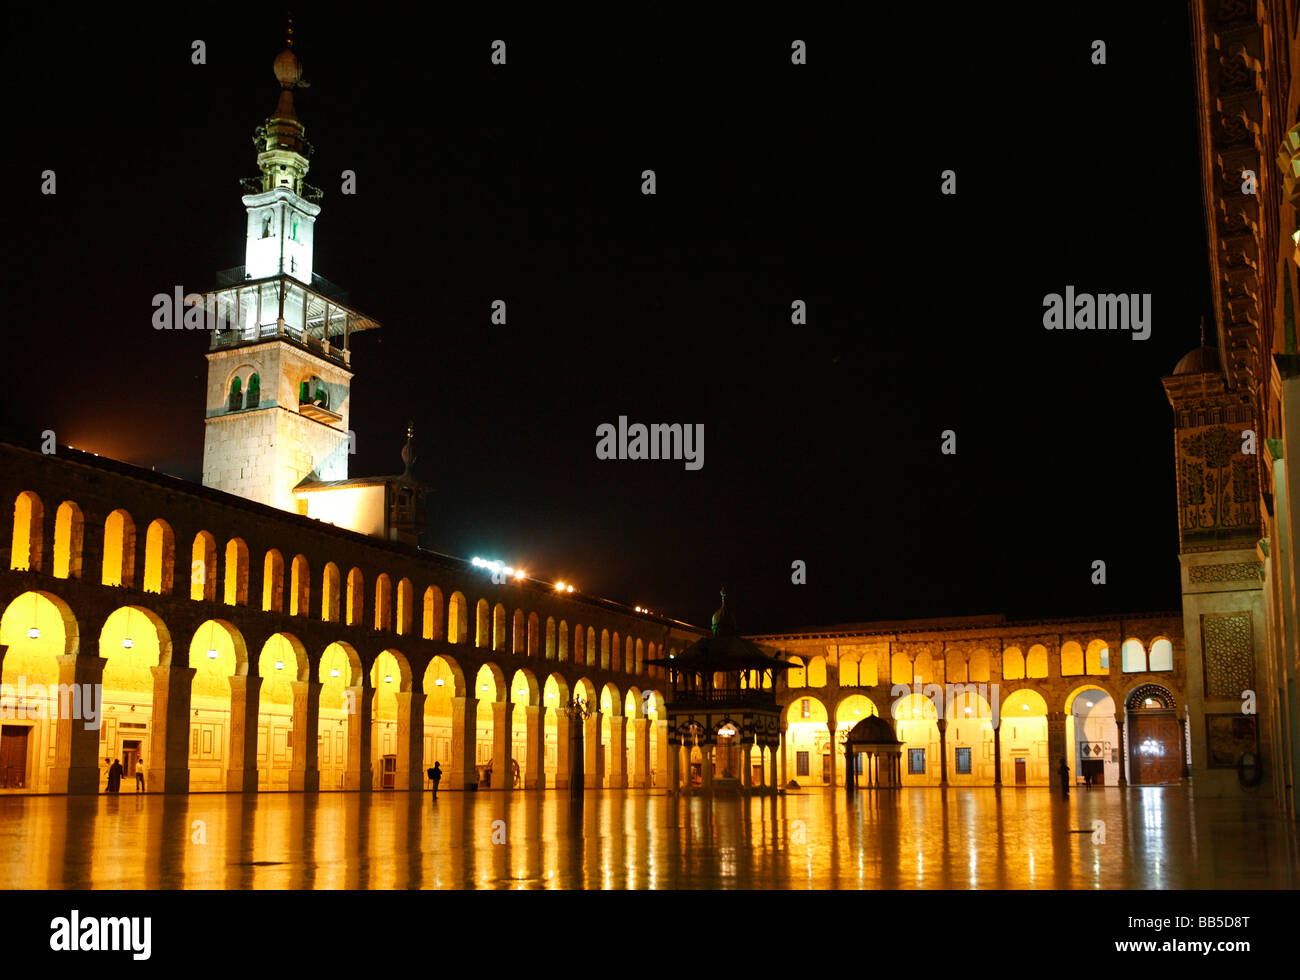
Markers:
{"x": 577, "y": 711}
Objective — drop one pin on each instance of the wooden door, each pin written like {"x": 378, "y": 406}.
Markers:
{"x": 13, "y": 756}
{"x": 1021, "y": 776}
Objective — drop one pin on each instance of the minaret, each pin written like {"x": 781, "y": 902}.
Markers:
{"x": 279, "y": 364}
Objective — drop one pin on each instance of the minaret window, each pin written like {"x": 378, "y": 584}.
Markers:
{"x": 236, "y": 401}
{"x": 254, "y": 396}
{"x": 266, "y": 226}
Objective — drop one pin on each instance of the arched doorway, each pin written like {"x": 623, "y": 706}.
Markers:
{"x": 217, "y": 653}
{"x": 1092, "y": 737}
{"x": 1155, "y": 737}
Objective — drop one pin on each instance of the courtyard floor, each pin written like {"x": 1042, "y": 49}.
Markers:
{"x": 1150, "y": 838}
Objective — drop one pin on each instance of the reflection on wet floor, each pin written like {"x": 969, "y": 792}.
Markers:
{"x": 1158, "y": 837}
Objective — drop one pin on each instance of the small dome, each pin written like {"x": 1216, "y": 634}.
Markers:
{"x": 1202, "y": 360}
{"x": 288, "y": 70}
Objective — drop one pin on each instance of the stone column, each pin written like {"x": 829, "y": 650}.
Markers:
{"x": 534, "y": 750}
{"x": 463, "y": 773}
{"x": 410, "y": 741}
{"x": 169, "y": 740}
{"x": 746, "y": 778}
{"x": 304, "y": 770}
{"x": 593, "y": 760}
{"x": 76, "y": 747}
{"x": 784, "y": 748}
{"x": 997, "y": 754}
{"x": 1119, "y": 738}
{"x": 502, "y": 771}
{"x": 660, "y": 776}
{"x": 830, "y": 727}
{"x": 942, "y": 725}
{"x": 1055, "y": 746}
{"x": 644, "y": 732}
{"x": 706, "y": 765}
{"x": 617, "y": 752}
{"x": 360, "y": 701}
{"x": 241, "y": 753}
{"x": 672, "y": 761}
{"x": 563, "y": 737}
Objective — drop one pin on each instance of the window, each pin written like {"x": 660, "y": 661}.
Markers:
{"x": 963, "y": 762}
{"x": 236, "y": 396}
{"x": 916, "y": 762}
{"x": 254, "y": 395}
{"x": 805, "y": 708}
{"x": 801, "y": 763}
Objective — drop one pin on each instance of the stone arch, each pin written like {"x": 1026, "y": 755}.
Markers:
{"x": 482, "y": 624}
{"x": 955, "y": 667}
{"x": 499, "y": 627}
{"x": 391, "y": 668}
{"x": 1133, "y": 656}
{"x": 405, "y": 602}
{"x": 1160, "y": 656}
{"x": 273, "y": 582}
{"x": 534, "y": 631}
{"x": 449, "y": 671}
{"x": 616, "y": 654}
{"x": 231, "y": 648}
{"x": 356, "y": 598}
{"x": 900, "y": 669}
{"x": 342, "y": 657}
{"x": 1138, "y": 697}
{"x": 433, "y": 612}
{"x": 217, "y": 652}
{"x": 563, "y": 637}
{"x": 289, "y": 652}
{"x": 69, "y": 540}
{"x": 137, "y": 628}
{"x": 852, "y": 709}
{"x": 1036, "y": 662}
{"x": 29, "y": 534}
{"x": 384, "y": 603}
{"x": 46, "y": 613}
{"x": 1072, "y": 660}
{"x": 119, "y": 550}
{"x": 299, "y": 586}
{"x": 203, "y": 568}
{"x": 159, "y": 556}
{"x": 457, "y": 618}
{"x": 519, "y": 633}
{"x": 592, "y": 653}
{"x": 550, "y": 637}
{"x": 795, "y": 677}
{"x": 977, "y": 667}
{"x": 1097, "y": 658}
{"x": 1013, "y": 664}
{"x": 604, "y": 649}
{"x": 579, "y": 645}
{"x": 638, "y": 659}
{"x": 281, "y": 663}
{"x": 331, "y": 593}
{"x": 339, "y": 673}
{"x": 236, "y": 590}
{"x": 815, "y": 672}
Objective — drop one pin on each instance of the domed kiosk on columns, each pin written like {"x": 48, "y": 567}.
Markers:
{"x": 723, "y": 719}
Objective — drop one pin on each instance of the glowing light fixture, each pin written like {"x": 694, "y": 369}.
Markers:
{"x": 34, "y": 633}
{"x": 568, "y": 588}
{"x": 334, "y": 672}
{"x": 212, "y": 654}
{"x": 438, "y": 682}
{"x": 388, "y": 678}
{"x": 559, "y": 586}
{"x": 1024, "y": 707}
{"x": 127, "y": 643}
{"x": 968, "y": 711}
{"x": 1088, "y": 703}
{"x": 483, "y": 688}
{"x": 279, "y": 665}
{"x": 519, "y": 574}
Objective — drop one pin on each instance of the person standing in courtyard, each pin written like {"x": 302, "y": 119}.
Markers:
{"x": 139, "y": 776}
{"x": 1064, "y": 770}
{"x": 435, "y": 774}
{"x": 115, "y": 776}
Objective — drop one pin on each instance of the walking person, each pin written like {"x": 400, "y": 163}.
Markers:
{"x": 1064, "y": 770}
{"x": 115, "y": 776}
{"x": 139, "y": 776}
{"x": 435, "y": 774}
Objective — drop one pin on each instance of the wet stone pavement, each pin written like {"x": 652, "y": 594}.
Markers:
{"x": 1148, "y": 838}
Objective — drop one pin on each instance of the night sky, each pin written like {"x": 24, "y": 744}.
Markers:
{"x": 775, "y": 183}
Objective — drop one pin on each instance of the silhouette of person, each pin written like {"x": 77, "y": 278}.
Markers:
{"x": 115, "y": 776}
{"x": 435, "y": 774}
{"x": 1064, "y": 771}
{"x": 139, "y": 776}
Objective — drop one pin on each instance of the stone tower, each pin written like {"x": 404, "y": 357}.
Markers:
{"x": 1216, "y": 447}
{"x": 279, "y": 366}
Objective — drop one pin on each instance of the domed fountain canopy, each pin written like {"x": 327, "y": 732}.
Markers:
{"x": 723, "y": 649}
{"x": 872, "y": 730}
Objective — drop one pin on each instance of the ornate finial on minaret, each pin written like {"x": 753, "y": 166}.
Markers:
{"x": 408, "y": 450}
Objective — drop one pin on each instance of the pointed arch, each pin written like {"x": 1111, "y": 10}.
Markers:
{"x": 482, "y": 624}
{"x": 299, "y": 586}
{"x": 330, "y": 593}
{"x": 563, "y": 655}
{"x": 405, "y": 599}
{"x": 384, "y": 603}
{"x": 499, "y": 627}
{"x": 119, "y": 550}
{"x": 203, "y": 568}
{"x": 519, "y": 634}
{"x": 236, "y": 591}
{"x": 356, "y": 600}
{"x": 550, "y": 637}
{"x": 433, "y": 621}
{"x": 29, "y": 534}
{"x": 534, "y": 643}
{"x": 457, "y": 618}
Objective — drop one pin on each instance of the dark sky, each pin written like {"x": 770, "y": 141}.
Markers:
{"x": 775, "y": 183}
